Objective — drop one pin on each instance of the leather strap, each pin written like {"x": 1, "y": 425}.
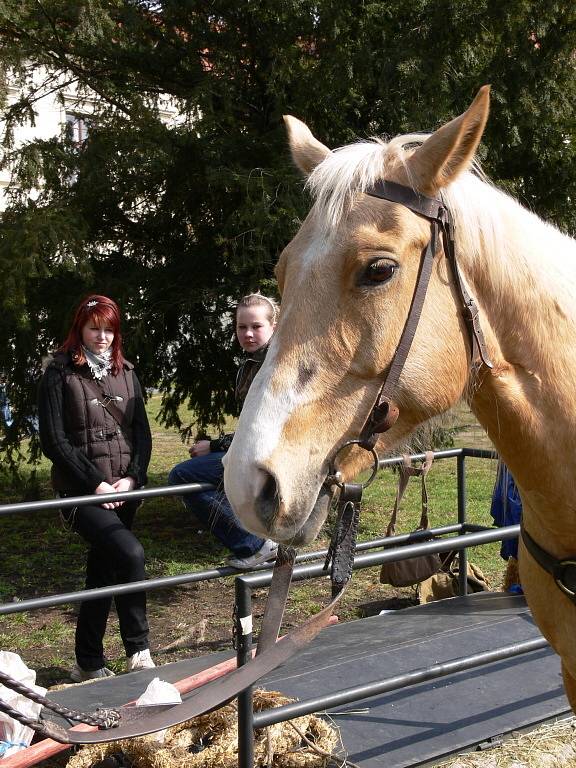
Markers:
{"x": 562, "y": 571}
{"x": 340, "y": 556}
{"x": 429, "y": 207}
{"x": 435, "y": 210}
{"x": 383, "y": 413}
{"x": 277, "y": 596}
{"x": 407, "y": 471}
{"x": 470, "y": 311}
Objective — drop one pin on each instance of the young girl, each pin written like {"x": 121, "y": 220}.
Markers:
{"x": 94, "y": 429}
{"x": 256, "y": 317}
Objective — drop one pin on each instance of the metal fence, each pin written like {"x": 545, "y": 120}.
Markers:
{"x": 309, "y": 565}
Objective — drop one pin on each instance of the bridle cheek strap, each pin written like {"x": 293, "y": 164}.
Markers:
{"x": 384, "y": 412}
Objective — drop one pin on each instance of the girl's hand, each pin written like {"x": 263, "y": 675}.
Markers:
{"x": 105, "y": 487}
{"x": 124, "y": 484}
{"x": 201, "y": 448}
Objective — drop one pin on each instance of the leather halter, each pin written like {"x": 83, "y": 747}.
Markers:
{"x": 384, "y": 412}
{"x": 562, "y": 571}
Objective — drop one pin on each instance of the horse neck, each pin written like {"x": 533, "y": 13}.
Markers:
{"x": 527, "y": 403}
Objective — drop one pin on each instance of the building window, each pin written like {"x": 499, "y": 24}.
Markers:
{"x": 77, "y": 127}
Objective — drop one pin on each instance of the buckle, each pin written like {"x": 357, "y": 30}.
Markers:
{"x": 559, "y": 576}
{"x": 470, "y": 311}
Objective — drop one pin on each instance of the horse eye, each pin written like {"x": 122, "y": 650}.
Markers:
{"x": 378, "y": 272}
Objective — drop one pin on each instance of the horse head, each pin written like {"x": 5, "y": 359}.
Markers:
{"x": 347, "y": 281}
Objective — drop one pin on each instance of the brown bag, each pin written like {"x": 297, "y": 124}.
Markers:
{"x": 406, "y": 573}
{"x": 446, "y": 583}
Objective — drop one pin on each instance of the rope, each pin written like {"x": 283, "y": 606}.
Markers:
{"x": 108, "y": 718}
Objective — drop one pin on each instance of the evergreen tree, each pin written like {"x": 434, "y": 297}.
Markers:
{"x": 176, "y": 221}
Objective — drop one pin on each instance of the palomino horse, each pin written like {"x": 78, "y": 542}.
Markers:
{"x": 348, "y": 281}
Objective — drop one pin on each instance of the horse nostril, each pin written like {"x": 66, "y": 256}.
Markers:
{"x": 267, "y": 502}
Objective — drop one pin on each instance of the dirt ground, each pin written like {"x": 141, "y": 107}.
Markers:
{"x": 192, "y": 620}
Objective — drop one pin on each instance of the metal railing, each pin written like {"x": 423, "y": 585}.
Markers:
{"x": 467, "y": 535}
{"x": 308, "y": 565}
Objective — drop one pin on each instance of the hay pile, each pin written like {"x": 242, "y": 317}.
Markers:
{"x": 211, "y": 741}
{"x": 550, "y": 746}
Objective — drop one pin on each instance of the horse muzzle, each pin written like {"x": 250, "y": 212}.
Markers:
{"x": 284, "y": 525}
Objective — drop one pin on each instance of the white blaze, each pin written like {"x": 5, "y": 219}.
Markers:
{"x": 265, "y": 414}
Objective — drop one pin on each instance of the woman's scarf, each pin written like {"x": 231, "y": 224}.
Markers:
{"x": 99, "y": 364}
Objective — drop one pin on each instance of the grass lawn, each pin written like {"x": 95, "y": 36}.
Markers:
{"x": 39, "y": 557}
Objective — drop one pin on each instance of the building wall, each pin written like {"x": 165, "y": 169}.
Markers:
{"x": 54, "y": 110}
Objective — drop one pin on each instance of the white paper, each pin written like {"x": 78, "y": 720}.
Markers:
{"x": 159, "y": 692}
{"x": 13, "y": 735}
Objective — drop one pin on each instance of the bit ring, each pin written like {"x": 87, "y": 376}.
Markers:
{"x": 335, "y": 476}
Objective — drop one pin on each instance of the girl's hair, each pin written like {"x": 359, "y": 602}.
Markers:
{"x": 259, "y": 300}
{"x": 101, "y": 311}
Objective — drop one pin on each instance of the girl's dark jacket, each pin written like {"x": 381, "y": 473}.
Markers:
{"x": 84, "y": 442}
{"x": 248, "y": 369}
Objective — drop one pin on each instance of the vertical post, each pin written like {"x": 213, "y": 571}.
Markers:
{"x": 462, "y": 553}
{"x": 243, "y": 633}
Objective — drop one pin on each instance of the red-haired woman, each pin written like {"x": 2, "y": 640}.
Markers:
{"x": 94, "y": 429}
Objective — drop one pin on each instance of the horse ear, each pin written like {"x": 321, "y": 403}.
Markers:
{"x": 307, "y": 151}
{"x": 450, "y": 150}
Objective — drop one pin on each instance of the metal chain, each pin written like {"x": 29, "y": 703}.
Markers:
{"x": 109, "y": 718}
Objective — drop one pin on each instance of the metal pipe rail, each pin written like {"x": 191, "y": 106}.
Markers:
{"x": 422, "y": 675}
{"x": 301, "y": 572}
{"x": 172, "y": 581}
{"x": 79, "y": 501}
{"x": 164, "y": 582}
{"x": 45, "y": 505}
{"x": 309, "y": 565}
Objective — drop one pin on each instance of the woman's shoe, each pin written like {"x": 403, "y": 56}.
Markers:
{"x": 267, "y": 551}
{"x": 140, "y": 660}
{"x": 79, "y": 675}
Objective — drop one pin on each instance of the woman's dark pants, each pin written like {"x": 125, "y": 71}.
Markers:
{"x": 115, "y": 557}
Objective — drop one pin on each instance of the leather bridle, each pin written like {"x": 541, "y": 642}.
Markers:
{"x": 384, "y": 412}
